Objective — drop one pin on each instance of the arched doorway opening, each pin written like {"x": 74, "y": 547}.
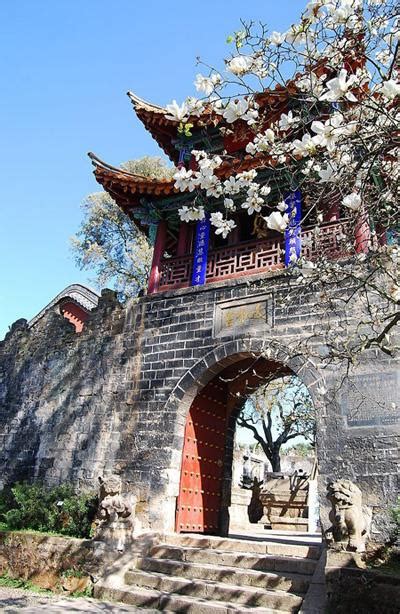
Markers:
{"x": 206, "y": 471}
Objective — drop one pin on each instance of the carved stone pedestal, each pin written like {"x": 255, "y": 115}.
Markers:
{"x": 116, "y": 515}
{"x": 284, "y": 501}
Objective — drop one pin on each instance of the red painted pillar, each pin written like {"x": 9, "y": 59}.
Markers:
{"x": 362, "y": 233}
{"x": 182, "y": 239}
{"x": 159, "y": 248}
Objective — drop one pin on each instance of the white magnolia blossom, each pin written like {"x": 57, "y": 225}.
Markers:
{"x": 259, "y": 67}
{"x": 222, "y": 225}
{"x": 328, "y": 132}
{"x": 235, "y": 109}
{"x": 277, "y": 221}
{"x": 306, "y": 147}
{"x": 352, "y": 201}
{"x": 184, "y": 180}
{"x": 296, "y": 34}
{"x": 189, "y": 214}
{"x": 262, "y": 142}
{"x": 310, "y": 142}
{"x": 309, "y": 166}
{"x": 207, "y": 84}
{"x": 231, "y": 185}
{"x": 384, "y": 56}
{"x": 209, "y": 182}
{"x": 251, "y": 116}
{"x": 339, "y": 87}
{"x": 240, "y": 65}
{"x": 229, "y": 204}
{"x": 195, "y": 106}
{"x": 314, "y": 9}
{"x": 253, "y": 202}
{"x": 265, "y": 190}
{"x": 277, "y": 38}
{"x": 390, "y": 89}
{"x": 329, "y": 173}
{"x": 176, "y": 112}
{"x": 206, "y": 162}
{"x": 344, "y": 11}
{"x": 246, "y": 177}
{"x": 287, "y": 121}
{"x": 311, "y": 84}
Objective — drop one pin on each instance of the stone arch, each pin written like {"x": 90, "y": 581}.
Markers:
{"x": 233, "y": 351}
{"x": 214, "y": 362}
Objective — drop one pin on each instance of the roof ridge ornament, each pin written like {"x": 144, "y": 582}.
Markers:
{"x": 137, "y": 101}
{"x": 96, "y": 161}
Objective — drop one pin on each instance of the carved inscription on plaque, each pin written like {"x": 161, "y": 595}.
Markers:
{"x": 239, "y": 316}
{"x": 371, "y": 399}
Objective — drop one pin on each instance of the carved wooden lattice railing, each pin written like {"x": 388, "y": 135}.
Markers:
{"x": 327, "y": 240}
{"x": 244, "y": 259}
{"x": 254, "y": 256}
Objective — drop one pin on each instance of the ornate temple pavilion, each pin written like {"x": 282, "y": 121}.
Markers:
{"x": 187, "y": 253}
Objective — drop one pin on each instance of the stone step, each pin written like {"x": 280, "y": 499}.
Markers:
{"x": 256, "y": 546}
{"x": 296, "y": 583}
{"x": 279, "y": 523}
{"x": 216, "y": 591}
{"x": 171, "y": 602}
{"x": 266, "y": 562}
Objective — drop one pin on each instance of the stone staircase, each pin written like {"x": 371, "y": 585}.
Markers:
{"x": 202, "y": 575}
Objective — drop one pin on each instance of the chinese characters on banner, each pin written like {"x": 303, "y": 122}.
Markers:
{"x": 293, "y": 230}
{"x": 200, "y": 252}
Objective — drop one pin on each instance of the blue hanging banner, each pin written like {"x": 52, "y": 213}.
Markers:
{"x": 201, "y": 241}
{"x": 293, "y": 230}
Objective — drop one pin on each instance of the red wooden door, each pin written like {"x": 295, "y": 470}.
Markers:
{"x": 199, "y": 499}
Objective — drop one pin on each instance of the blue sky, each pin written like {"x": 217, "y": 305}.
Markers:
{"x": 65, "y": 69}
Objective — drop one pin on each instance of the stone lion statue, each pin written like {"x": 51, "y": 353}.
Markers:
{"x": 350, "y": 519}
{"x": 115, "y": 516}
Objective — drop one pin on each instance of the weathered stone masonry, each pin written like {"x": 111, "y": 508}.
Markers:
{"x": 115, "y": 397}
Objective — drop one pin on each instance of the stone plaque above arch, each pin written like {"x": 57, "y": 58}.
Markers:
{"x": 239, "y": 316}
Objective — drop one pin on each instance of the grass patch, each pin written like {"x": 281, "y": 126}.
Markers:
{"x": 88, "y": 592}
{"x": 27, "y": 585}
{"x": 6, "y": 529}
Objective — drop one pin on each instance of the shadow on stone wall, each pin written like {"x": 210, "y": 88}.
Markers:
{"x": 60, "y": 397}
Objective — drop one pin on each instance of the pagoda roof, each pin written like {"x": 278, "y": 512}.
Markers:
{"x": 164, "y": 129}
{"x": 128, "y": 189}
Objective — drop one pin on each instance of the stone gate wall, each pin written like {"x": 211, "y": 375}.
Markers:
{"x": 115, "y": 397}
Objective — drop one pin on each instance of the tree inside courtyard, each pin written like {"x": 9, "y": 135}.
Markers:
{"x": 278, "y": 412}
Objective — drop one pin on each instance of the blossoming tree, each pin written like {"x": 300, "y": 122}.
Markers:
{"x": 336, "y": 142}
{"x": 110, "y": 243}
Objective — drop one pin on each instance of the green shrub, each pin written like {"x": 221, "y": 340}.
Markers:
{"x": 59, "y": 509}
{"x": 396, "y": 516}
{"x": 6, "y": 502}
